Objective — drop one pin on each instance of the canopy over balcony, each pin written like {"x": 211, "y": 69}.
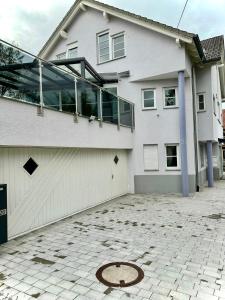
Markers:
{"x": 69, "y": 85}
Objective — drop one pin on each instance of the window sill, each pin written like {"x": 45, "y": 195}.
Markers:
{"x": 113, "y": 59}
{"x": 150, "y": 170}
{"x": 172, "y": 169}
{"x": 201, "y": 111}
{"x": 150, "y": 108}
{"x": 170, "y": 107}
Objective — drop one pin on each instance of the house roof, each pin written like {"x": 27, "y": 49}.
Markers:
{"x": 213, "y": 48}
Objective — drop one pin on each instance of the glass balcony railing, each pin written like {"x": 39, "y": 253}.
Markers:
{"x": 27, "y": 78}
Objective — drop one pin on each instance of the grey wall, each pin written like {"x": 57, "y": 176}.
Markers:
{"x": 161, "y": 184}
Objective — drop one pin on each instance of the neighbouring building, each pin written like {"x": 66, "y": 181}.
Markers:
{"x": 114, "y": 103}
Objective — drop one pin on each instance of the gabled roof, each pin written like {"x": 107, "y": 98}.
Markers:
{"x": 213, "y": 48}
{"x": 206, "y": 51}
{"x": 149, "y": 23}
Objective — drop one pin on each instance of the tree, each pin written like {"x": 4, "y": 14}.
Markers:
{"x": 8, "y": 55}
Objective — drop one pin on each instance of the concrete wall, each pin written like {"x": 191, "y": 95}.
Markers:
{"x": 21, "y": 126}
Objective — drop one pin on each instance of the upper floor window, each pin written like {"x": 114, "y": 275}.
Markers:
{"x": 170, "y": 97}
{"x": 148, "y": 99}
{"x": 72, "y": 53}
{"x": 61, "y": 55}
{"x": 118, "y": 45}
{"x": 110, "y": 47}
{"x": 103, "y": 47}
{"x": 201, "y": 102}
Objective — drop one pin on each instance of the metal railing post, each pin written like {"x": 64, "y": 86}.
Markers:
{"x": 40, "y": 111}
{"x": 76, "y": 101}
{"x": 100, "y": 107}
{"x": 118, "y": 112}
{"x": 132, "y": 117}
{"x": 60, "y": 101}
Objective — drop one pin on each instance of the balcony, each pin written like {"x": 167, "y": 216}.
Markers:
{"x": 61, "y": 86}
{"x": 45, "y": 105}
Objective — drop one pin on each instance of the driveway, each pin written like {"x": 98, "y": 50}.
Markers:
{"x": 178, "y": 242}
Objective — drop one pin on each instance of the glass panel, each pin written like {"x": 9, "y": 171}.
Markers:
{"x": 58, "y": 89}
{"x": 118, "y": 53}
{"x": 118, "y": 46}
{"x": 125, "y": 113}
{"x": 172, "y": 161}
{"x": 104, "y": 58}
{"x": 170, "y": 102}
{"x": 103, "y": 37}
{"x": 118, "y": 39}
{"x": 88, "y": 99}
{"x": 109, "y": 107}
{"x": 112, "y": 90}
{"x": 171, "y": 150}
{"x": 61, "y": 55}
{"x": 19, "y": 75}
{"x": 73, "y": 53}
{"x": 149, "y": 94}
{"x": 149, "y": 103}
{"x": 170, "y": 93}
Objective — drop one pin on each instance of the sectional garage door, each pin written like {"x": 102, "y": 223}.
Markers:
{"x": 45, "y": 185}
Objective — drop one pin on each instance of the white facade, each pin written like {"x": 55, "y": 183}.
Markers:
{"x": 153, "y": 60}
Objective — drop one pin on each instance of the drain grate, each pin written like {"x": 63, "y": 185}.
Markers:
{"x": 119, "y": 274}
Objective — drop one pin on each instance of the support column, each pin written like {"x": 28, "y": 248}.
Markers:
{"x": 210, "y": 164}
{"x": 183, "y": 134}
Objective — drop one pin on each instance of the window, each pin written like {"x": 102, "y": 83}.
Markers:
{"x": 110, "y": 47}
{"x": 172, "y": 157}
{"x": 103, "y": 47}
{"x": 170, "y": 97}
{"x": 214, "y": 104}
{"x": 151, "y": 160}
{"x": 202, "y": 155}
{"x": 118, "y": 46}
{"x": 219, "y": 112}
{"x": 61, "y": 55}
{"x": 112, "y": 90}
{"x": 201, "y": 102}
{"x": 148, "y": 99}
{"x": 72, "y": 53}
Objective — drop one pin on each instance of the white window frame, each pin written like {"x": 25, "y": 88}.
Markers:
{"x": 64, "y": 52}
{"x": 178, "y": 157}
{"x": 143, "y": 99}
{"x": 111, "y": 50}
{"x": 98, "y": 49}
{"x": 201, "y": 94}
{"x": 112, "y": 38}
{"x": 70, "y": 47}
{"x": 164, "y": 97}
{"x": 151, "y": 169}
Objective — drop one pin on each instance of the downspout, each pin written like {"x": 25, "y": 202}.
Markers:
{"x": 195, "y": 133}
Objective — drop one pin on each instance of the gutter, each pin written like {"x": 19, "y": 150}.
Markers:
{"x": 199, "y": 48}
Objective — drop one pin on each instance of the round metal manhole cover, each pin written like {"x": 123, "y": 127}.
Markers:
{"x": 119, "y": 274}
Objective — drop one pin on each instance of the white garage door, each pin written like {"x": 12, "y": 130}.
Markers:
{"x": 65, "y": 181}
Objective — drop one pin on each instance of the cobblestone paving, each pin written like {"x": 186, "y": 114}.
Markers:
{"x": 178, "y": 242}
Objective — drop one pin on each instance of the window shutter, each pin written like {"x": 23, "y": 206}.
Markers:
{"x": 151, "y": 161}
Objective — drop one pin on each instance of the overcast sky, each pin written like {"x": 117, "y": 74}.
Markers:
{"x": 29, "y": 23}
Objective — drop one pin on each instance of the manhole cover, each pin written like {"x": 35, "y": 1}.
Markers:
{"x": 120, "y": 274}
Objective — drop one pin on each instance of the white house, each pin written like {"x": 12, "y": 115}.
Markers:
{"x": 115, "y": 103}
{"x": 171, "y": 130}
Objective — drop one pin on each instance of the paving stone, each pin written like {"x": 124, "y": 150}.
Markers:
{"x": 183, "y": 253}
